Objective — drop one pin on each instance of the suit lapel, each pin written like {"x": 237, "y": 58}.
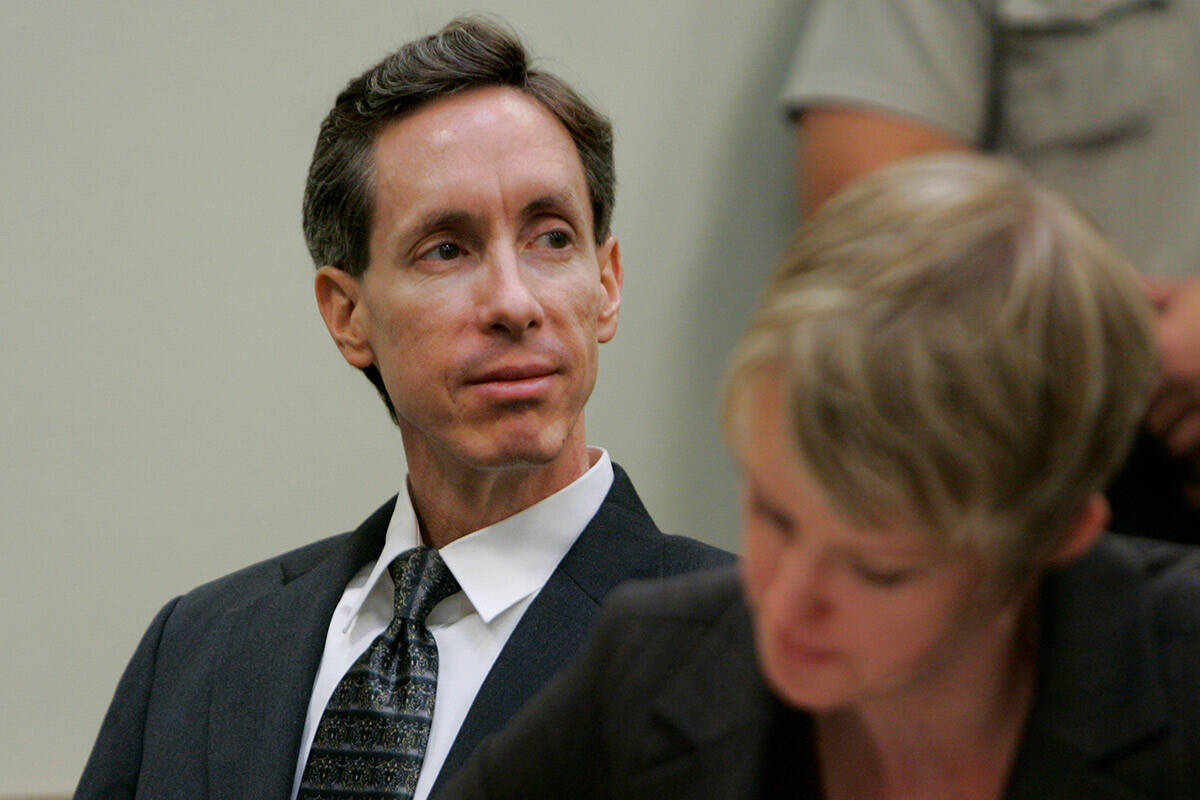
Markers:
{"x": 717, "y": 690}
{"x": 272, "y": 648}
{"x": 620, "y": 543}
{"x": 718, "y": 703}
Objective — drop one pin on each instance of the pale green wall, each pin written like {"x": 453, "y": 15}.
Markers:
{"x": 173, "y": 406}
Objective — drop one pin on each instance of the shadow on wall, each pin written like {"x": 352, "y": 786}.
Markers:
{"x": 758, "y": 215}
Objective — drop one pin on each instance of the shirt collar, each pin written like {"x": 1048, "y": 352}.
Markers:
{"x": 502, "y": 564}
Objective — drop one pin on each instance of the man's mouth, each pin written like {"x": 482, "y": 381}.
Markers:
{"x": 515, "y": 382}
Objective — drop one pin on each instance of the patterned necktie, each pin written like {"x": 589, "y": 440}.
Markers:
{"x": 371, "y": 739}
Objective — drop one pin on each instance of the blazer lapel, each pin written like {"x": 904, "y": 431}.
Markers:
{"x": 272, "y": 648}
{"x": 718, "y": 703}
{"x": 620, "y": 543}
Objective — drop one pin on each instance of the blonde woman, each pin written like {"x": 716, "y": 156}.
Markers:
{"x": 941, "y": 377}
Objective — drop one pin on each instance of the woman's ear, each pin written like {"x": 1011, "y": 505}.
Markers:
{"x": 339, "y": 298}
{"x": 1083, "y": 531}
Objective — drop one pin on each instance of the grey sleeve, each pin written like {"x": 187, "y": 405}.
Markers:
{"x": 929, "y": 60}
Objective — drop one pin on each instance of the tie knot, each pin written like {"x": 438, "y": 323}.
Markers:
{"x": 422, "y": 581}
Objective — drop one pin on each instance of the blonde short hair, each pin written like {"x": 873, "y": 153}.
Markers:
{"x": 962, "y": 351}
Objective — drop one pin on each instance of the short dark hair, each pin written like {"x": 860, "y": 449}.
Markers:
{"x": 469, "y": 53}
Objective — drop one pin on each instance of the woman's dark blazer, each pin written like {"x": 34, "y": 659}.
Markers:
{"x": 666, "y": 701}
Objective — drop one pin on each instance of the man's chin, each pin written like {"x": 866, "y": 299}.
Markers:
{"x": 528, "y": 443}
{"x": 521, "y": 456}
{"x": 515, "y": 450}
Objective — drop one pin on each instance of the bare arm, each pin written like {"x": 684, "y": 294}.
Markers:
{"x": 1174, "y": 412}
{"x": 836, "y": 143}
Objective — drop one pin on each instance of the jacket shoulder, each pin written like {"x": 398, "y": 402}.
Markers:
{"x": 681, "y": 554}
{"x": 359, "y": 545}
{"x": 624, "y": 511}
{"x": 700, "y": 596}
{"x": 251, "y": 581}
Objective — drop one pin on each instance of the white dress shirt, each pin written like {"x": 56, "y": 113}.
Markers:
{"x": 501, "y": 568}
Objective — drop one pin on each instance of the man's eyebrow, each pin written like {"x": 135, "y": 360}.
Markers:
{"x": 556, "y": 202}
{"x": 444, "y": 218}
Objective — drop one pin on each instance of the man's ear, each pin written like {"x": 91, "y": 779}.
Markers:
{"x": 611, "y": 278}
{"x": 339, "y": 298}
{"x": 1083, "y": 532}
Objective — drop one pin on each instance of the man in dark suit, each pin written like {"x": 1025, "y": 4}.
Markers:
{"x": 458, "y": 210}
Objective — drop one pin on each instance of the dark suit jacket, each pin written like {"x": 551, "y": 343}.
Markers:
{"x": 212, "y": 705}
{"x": 665, "y": 700}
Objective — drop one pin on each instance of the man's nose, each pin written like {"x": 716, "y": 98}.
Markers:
{"x": 509, "y": 300}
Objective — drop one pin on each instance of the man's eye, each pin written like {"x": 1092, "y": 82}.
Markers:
{"x": 556, "y": 240}
{"x": 447, "y": 251}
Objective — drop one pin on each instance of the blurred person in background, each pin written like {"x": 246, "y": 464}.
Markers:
{"x": 1099, "y": 99}
{"x": 938, "y": 382}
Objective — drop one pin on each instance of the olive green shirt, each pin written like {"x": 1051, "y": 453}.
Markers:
{"x": 1100, "y": 99}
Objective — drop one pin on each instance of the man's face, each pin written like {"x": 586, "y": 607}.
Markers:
{"x": 486, "y": 296}
{"x": 845, "y": 616}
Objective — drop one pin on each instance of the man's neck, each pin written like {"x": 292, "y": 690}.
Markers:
{"x": 452, "y": 501}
